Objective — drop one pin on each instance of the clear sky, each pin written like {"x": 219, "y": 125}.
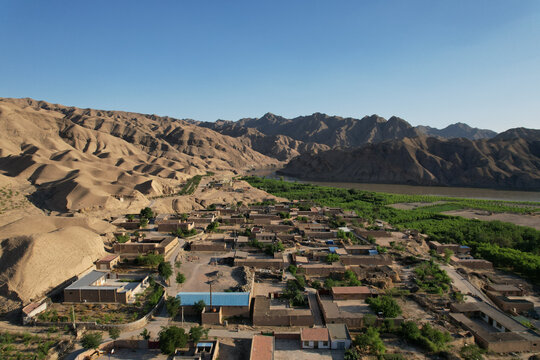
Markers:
{"x": 429, "y": 62}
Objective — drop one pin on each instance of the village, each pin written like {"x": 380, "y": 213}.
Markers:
{"x": 288, "y": 280}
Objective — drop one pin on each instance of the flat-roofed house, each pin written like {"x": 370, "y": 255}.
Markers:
{"x": 340, "y": 338}
{"x": 352, "y": 292}
{"x": 493, "y": 330}
{"x": 108, "y": 262}
{"x": 315, "y": 338}
{"x": 103, "y": 287}
{"x": 262, "y": 348}
{"x": 218, "y": 304}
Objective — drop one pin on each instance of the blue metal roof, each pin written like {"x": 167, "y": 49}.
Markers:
{"x": 332, "y": 249}
{"x": 373, "y": 252}
{"x": 218, "y": 298}
{"x": 330, "y": 242}
{"x": 203, "y": 344}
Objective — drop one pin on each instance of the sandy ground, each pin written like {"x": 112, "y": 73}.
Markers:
{"x": 414, "y": 205}
{"x": 198, "y": 271}
{"x": 518, "y": 219}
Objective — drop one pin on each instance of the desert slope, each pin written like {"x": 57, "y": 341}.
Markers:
{"x": 40, "y": 252}
{"x": 83, "y": 159}
{"x": 496, "y": 163}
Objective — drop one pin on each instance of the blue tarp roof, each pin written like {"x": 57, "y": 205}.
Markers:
{"x": 332, "y": 249}
{"x": 218, "y": 298}
{"x": 204, "y": 344}
{"x": 330, "y": 242}
{"x": 373, "y": 252}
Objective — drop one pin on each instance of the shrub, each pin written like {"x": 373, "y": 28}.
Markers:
{"x": 386, "y": 305}
{"x": 114, "y": 333}
{"x": 370, "y": 342}
{"x": 330, "y": 258}
{"x": 91, "y": 340}
{"x": 180, "y": 278}
{"x": 122, "y": 238}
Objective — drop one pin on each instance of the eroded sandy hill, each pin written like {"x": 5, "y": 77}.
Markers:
{"x": 44, "y": 253}
{"x": 84, "y": 159}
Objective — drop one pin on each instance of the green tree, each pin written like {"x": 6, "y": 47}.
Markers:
{"x": 91, "y": 340}
{"x": 213, "y": 226}
{"x": 146, "y": 213}
{"x": 329, "y": 283}
{"x": 114, "y": 333}
{"x": 447, "y": 255}
{"x": 130, "y": 217}
{"x": 386, "y": 305}
{"x": 352, "y": 354}
{"x": 149, "y": 259}
{"x": 145, "y": 334}
{"x": 370, "y": 342}
{"x": 172, "y": 338}
{"x": 330, "y": 258}
{"x": 165, "y": 270}
{"x": 173, "y": 306}
{"x": 292, "y": 269}
{"x": 123, "y": 238}
{"x": 196, "y": 333}
{"x": 199, "y": 306}
{"x": 180, "y": 278}
{"x": 143, "y": 223}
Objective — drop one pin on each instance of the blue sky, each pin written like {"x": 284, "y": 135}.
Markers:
{"x": 429, "y": 62}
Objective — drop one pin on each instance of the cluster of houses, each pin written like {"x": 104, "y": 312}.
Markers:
{"x": 320, "y": 243}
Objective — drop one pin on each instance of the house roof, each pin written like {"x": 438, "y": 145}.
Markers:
{"x": 314, "y": 334}
{"x": 338, "y": 332}
{"x": 504, "y": 287}
{"x": 86, "y": 281}
{"x": 218, "y": 298}
{"x": 302, "y": 259}
{"x": 262, "y": 347}
{"x": 107, "y": 258}
{"x": 351, "y": 290}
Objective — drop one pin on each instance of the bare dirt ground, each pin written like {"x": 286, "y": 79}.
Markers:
{"x": 234, "y": 349}
{"x": 413, "y": 311}
{"x": 198, "y": 271}
{"x": 397, "y": 237}
{"x": 266, "y": 287}
{"x": 414, "y": 205}
{"x": 518, "y": 219}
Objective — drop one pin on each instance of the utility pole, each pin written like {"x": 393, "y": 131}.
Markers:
{"x": 211, "y": 308}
